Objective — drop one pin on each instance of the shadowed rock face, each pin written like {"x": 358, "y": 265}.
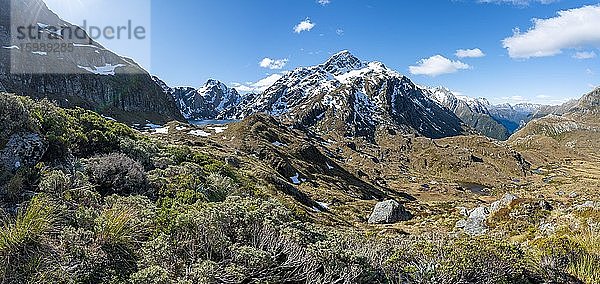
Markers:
{"x": 389, "y": 212}
{"x": 211, "y": 101}
{"x": 22, "y": 150}
{"x": 128, "y": 94}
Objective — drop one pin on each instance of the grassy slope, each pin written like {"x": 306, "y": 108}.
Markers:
{"x": 109, "y": 204}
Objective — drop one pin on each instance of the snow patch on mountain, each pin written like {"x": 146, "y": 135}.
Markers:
{"x": 107, "y": 69}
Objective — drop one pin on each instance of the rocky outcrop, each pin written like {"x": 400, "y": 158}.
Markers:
{"x": 389, "y": 212}
{"x": 475, "y": 223}
{"x": 22, "y": 150}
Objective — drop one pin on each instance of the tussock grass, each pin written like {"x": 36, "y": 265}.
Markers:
{"x": 586, "y": 266}
{"x": 29, "y": 226}
{"x": 117, "y": 226}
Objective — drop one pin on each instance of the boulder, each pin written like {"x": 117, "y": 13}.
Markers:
{"x": 389, "y": 212}
{"x": 475, "y": 227}
{"x": 479, "y": 213}
{"x": 475, "y": 223}
{"x": 232, "y": 161}
{"x": 545, "y": 205}
{"x": 22, "y": 150}
{"x": 504, "y": 202}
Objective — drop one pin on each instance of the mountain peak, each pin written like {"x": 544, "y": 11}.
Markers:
{"x": 342, "y": 62}
{"x": 213, "y": 85}
{"x": 213, "y": 82}
{"x": 590, "y": 101}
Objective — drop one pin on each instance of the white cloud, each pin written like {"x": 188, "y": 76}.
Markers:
{"x": 437, "y": 65}
{"x": 584, "y": 55}
{"x": 518, "y": 2}
{"x": 548, "y": 37}
{"x": 259, "y": 86}
{"x": 273, "y": 64}
{"x": 469, "y": 53}
{"x": 303, "y": 26}
{"x": 324, "y": 2}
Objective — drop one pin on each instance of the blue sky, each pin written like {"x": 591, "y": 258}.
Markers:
{"x": 192, "y": 41}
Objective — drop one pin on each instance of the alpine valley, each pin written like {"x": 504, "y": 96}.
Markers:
{"x": 342, "y": 172}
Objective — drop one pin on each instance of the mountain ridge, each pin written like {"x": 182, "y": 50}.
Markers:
{"x": 91, "y": 76}
{"x": 355, "y": 98}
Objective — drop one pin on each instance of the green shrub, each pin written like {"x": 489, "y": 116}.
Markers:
{"x": 151, "y": 275}
{"x": 55, "y": 182}
{"x": 182, "y": 184}
{"x": 81, "y": 132}
{"x": 23, "y": 244}
{"x": 22, "y": 181}
{"x": 586, "y": 264}
{"x": 140, "y": 150}
{"x": 219, "y": 187}
{"x": 447, "y": 260}
{"x": 586, "y": 267}
{"x": 120, "y": 230}
{"x": 126, "y": 222}
{"x": 14, "y": 117}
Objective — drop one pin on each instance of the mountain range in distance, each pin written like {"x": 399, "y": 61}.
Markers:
{"x": 372, "y": 95}
{"x": 344, "y": 95}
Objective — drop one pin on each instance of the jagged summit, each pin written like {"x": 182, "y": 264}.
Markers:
{"x": 342, "y": 62}
{"x": 207, "y": 102}
{"x": 351, "y": 98}
{"x": 590, "y": 102}
{"x": 213, "y": 85}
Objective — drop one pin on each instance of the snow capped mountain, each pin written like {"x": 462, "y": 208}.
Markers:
{"x": 514, "y": 117}
{"x": 453, "y": 101}
{"x": 81, "y": 73}
{"x": 208, "y": 102}
{"x": 352, "y": 98}
{"x": 342, "y": 63}
{"x": 589, "y": 103}
{"x": 474, "y": 112}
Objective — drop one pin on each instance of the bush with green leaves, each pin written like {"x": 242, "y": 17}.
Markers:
{"x": 55, "y": 182}
{"x": 78, "y": 131}
{"x": 188, "y": 183}
{"x": 14, "y": 117}
{"x": 140, "y": 150}
{"x": 570, "y": 257}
